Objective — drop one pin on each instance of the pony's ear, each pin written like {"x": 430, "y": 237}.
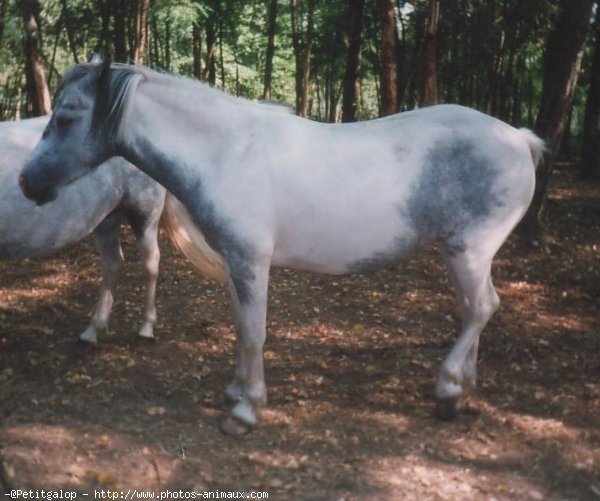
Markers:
{"x": 95, "y": 58}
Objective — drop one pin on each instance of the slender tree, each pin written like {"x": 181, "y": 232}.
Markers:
{"x": 3, "y": 9}
{"x": 428, "y": 94}
{"x": 562, "y": 64}
{"x": 103, "y": 45}
{"x": 351, "y": 94}
{"x": 197, "y": 49}
{"x": 209, "y": 73}
{"x": 119, "y": 33}
{"x": 271, "y": 28}
{"x": 69, "y": 28}
{"x": 389, "y": 57}
{"x": 302, "y": 41}
{"x": 141, "y": 29}
{"x": 38, "y": 94}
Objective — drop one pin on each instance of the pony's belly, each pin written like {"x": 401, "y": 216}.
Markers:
{"x": 339, "y": 252}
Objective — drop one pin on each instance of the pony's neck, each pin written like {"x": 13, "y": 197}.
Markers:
{"x": 174, "y": 133}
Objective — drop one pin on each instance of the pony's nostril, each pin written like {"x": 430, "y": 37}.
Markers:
{"x": 24, "y": 185}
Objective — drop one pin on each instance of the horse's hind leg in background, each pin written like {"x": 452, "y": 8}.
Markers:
{"x": 107, "y": 236}
{"x": 470, "y": 272}
{"x": 146, "y": 234}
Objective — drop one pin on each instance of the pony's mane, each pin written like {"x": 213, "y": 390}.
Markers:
{"x": 113, "y": 88}
{"x": 194, "y": 85}
{"x": 115, "y": 85}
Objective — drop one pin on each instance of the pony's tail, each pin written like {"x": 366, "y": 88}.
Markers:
{"x": 187, "y": 238}
{"x": 537, "y": 147}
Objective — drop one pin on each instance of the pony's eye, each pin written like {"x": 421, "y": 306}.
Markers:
{"x": 63, "y": 122}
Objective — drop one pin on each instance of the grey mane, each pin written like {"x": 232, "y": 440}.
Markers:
{"x": 113, "y": 84}
{"x": 114, "y": 89}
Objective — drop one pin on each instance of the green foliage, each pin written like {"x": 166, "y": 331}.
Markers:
{"x": 489, "y": 52}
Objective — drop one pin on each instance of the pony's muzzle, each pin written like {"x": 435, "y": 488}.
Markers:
{"x": 40, "y": 198}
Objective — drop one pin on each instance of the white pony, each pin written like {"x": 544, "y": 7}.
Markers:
{"x": 269, "y": 189}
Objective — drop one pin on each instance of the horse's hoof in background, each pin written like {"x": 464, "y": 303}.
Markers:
{"x": 447, "y": 409}
{"x": 149, "y": 340}
{"x": 89, "y": 337}
{"x": 147, "y": 332}
{"x": 233, "y": 427}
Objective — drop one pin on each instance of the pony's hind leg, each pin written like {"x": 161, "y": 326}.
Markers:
{"x": 107, "y": 236}
{"x": 147, "y": 242}
{"x": 470, "y": 272}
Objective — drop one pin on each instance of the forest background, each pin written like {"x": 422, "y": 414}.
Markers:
{"x": 532, "y": 63}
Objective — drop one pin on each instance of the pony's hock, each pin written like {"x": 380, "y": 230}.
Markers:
{"x": 96, "y": 204}
{"x": 270, "y": 189}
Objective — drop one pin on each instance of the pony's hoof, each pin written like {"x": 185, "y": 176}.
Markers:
{"x": 234, "y": 427}
{"x": 447, "y": 410}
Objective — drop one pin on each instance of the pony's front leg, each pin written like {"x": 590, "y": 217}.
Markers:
{"x": 249, "y": 298}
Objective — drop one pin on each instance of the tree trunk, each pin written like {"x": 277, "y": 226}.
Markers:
{"x": 38, "y": 93}
{"x": 18, "y": 98}
{"x": 389, "y": 57}
{"x": 590, "y": 155}
{"x": 562, "y": 64}
{"x": 272, "y": 27}
{"x": 302, "y": 52}
{"x": 351, "y": 94}
{"x": 66, "y": 15}
{"x": 221, "y": 57}
{"x": 141, "y": 28}
{"x": 209, "y": 73}
{"x": 197, "y": 50}
{"x": 168, "y": 43}
{"x": 120, "y": 39}
{"x": 103, "y": 46}
{"x": 429, "y": 84}
{"x": 3, "y": 8}
{"x": 52, "y": 69}
{"x": 306, "y": 57}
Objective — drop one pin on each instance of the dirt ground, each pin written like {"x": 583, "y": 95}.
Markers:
{"x": 350, "y": 365}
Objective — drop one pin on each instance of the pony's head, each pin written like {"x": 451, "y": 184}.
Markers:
{"x": 83, "y": 131}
